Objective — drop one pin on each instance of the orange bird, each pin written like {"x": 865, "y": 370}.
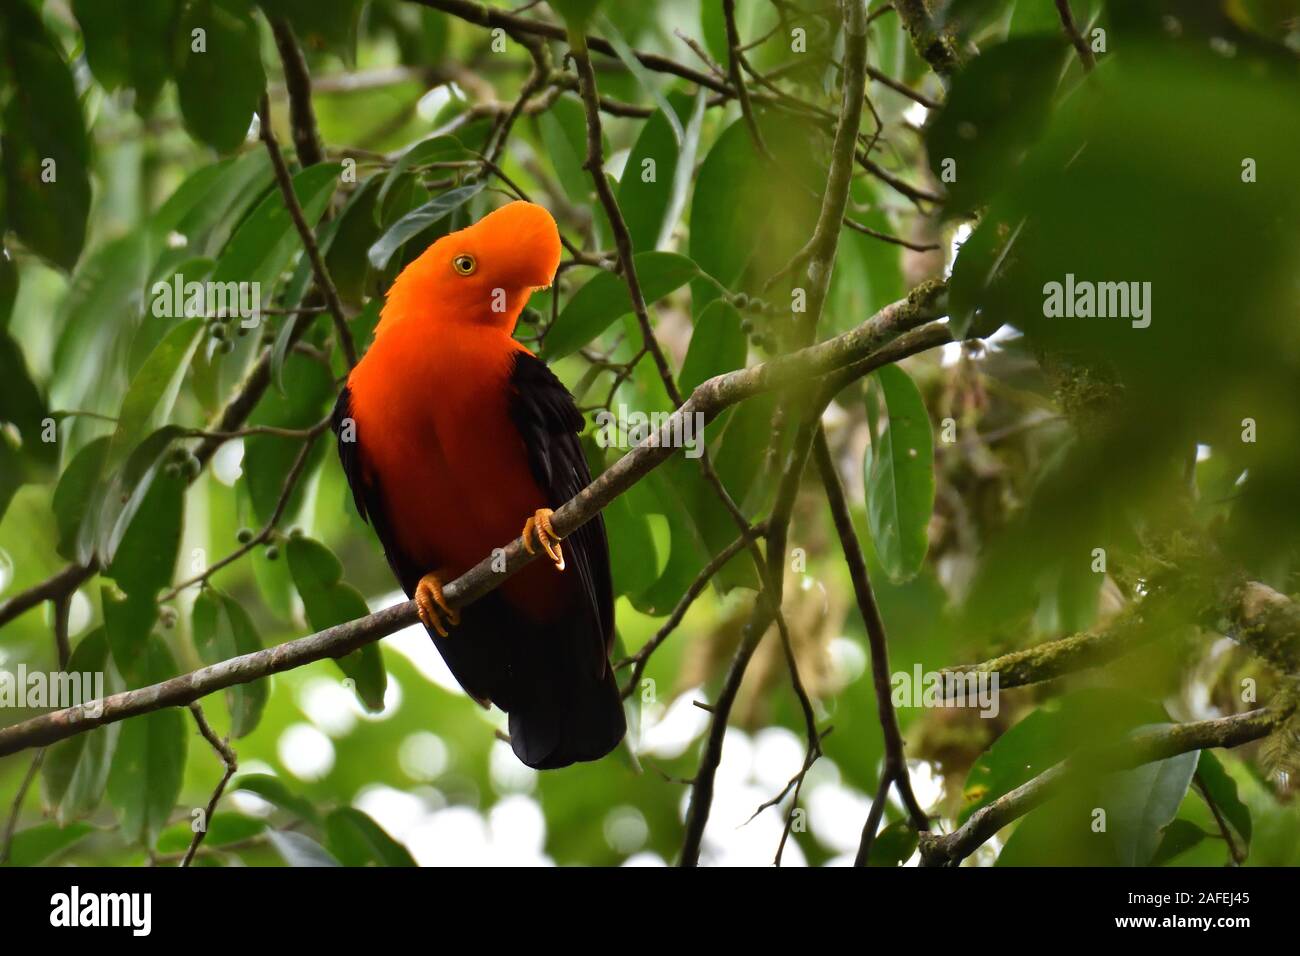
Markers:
{"x": 453, "y": 435}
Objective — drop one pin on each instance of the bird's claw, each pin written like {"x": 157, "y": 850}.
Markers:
{"x": 433, "y": 607}
{"x": 540, "y": 526}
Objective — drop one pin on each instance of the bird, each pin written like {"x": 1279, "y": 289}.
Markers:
{"x": 453, "y": 435}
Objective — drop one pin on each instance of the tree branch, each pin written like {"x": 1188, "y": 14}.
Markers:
{"x": 1262, "y": 619}
{"x": 734, "y": 56}
{"x": 297, "y": 83}
{"x": 931, "y": 43}
{"x": 895, "y": 769}
{"x": 713, "y": 396}
{"x": 63, "y": 582}
{"x": 518, "y": 26}
{"x": 1140, "y": 748}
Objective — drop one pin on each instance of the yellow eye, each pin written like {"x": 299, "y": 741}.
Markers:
{"x": 464, "y": 264}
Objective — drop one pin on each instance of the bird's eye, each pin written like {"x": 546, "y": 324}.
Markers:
{"x": 464, "y": 264}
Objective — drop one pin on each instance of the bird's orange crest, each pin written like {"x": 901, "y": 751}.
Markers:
{"x": 483, "y": 273}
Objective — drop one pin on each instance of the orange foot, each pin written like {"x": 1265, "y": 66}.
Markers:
{"x": 434, "y": 611}
{"x": 540, "y": 525}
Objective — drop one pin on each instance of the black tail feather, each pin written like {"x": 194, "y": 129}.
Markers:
{"x": 564, "y": 703}
{"x": 563, "y": 724}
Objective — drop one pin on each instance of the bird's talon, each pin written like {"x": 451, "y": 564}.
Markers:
{"x": 432, "y": 606}
{"x": 540, "y": 525}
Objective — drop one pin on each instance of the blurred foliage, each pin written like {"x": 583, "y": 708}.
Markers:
{"x": 982, "y": 480}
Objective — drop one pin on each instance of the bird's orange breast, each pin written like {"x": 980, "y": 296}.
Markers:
{"x": 435, "y": 436}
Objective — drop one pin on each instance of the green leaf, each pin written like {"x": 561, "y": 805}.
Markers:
{"x": 1143, "y": 801}
{"x": 37, "y": 845}
{"x": 152, "y": 393}
{"x": 355, "y": 232}
{"x": 128, "y": 621}
{"x": 646, "y": 188}
{"x": 268, "y": 458}
{"x": 605, "y": 299}
{"x": 971, "y": 287}
{"x": 434, "y": 149}
{"x": 899, "y": 470}
{"x": 893, "y": 846}
{"x": 563, "y": 129}
{"x": 731, "y": 190}
{"x": 632, "y": 564}
{"x": 1029, "y": 17}
{"x": 222, "y": 630}
{"x": 43, "y": 149}
{"x": 642, "y": 75}
{"x": 23, "y": 409}
{"x": 273, "y": 790}
{"x": 868, "y": 273}
{"x": 683, "y": 173}
{"x": 8, "y": 287}
{"x": 1222, "y": 789}
{"x": 713, "y": 28}
{"x": 358, "y": 840}
{"x": 99, "y": 313}
{"x": 75, "y": 771}
{"x": 73, "y": 493}
{"x": 416, "y": 221}
{"x": 116, "y": 502}
{"x": 225, "y": 827}
{"x": 219, "y": 76}
{"x": 996, "y": 107}
{"x": 298, "y": 850}
{"x": 322, "y": 25}
{"x": 717, "y": 345}
{"x": 149, "y": 765}
{"x": 577, "y": 13}
{"x": 145, "y": 559}
{"x": 1179, "y": 837}
{"x": 1047, "y": 736}
{"x": 267, "y": 241}
{"x": 128, "y": 44}
{"x": 318, "y": 576}
{"x": 206, "y": 208}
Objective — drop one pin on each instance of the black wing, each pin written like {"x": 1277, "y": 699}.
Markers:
{"x": 367, "y": 496}
{"x": 549, "y": 423}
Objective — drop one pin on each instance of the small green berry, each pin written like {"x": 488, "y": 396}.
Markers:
{"x": 244, "y": 535}
{"x": 272, "y": 553}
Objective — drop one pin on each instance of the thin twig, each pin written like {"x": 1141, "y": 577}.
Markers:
{"x": 895, "y": 769}
{"x": 641, "y": 658}
{"x": 297, "y": 82}
{"x": 1072, "y": 32}
{"x": 231, "y": 763}
{"x": 264, "y": 535}
{"x": 324, "y": 282}
{"x": 1234, "y": 850}
{"x": 11, "y": 825}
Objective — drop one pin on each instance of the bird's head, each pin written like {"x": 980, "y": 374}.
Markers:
{"x": 483, "y": 273}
